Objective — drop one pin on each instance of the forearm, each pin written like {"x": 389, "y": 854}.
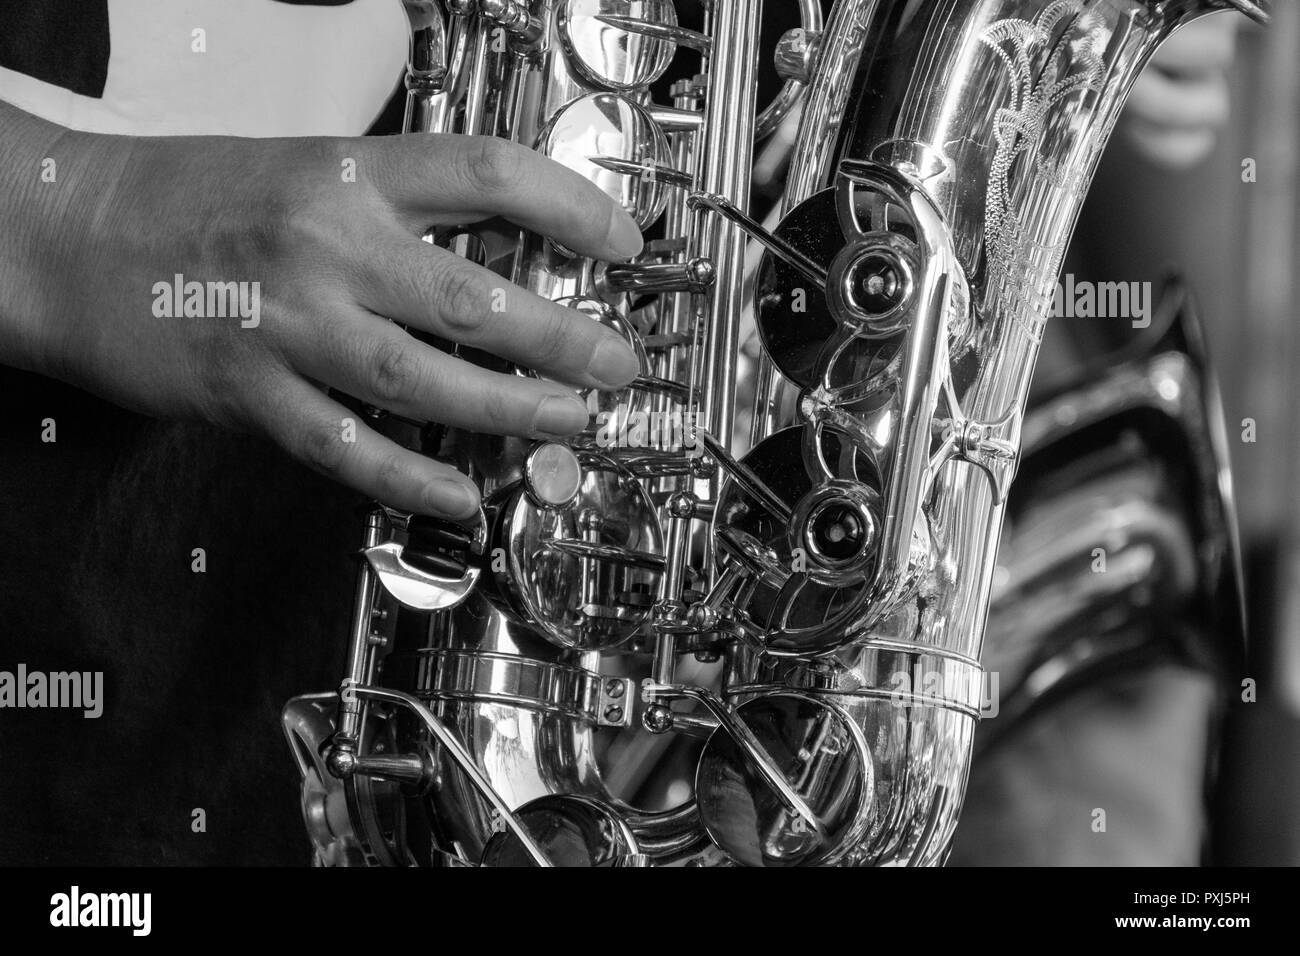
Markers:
{"x": 47, "y": 173}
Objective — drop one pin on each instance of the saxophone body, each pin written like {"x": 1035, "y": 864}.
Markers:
{"x": 664, "y": 643}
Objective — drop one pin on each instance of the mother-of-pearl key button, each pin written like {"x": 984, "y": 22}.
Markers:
{"x": 552, "y": 475}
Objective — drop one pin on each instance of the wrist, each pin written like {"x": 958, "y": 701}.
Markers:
{"x": 54, "y": 187}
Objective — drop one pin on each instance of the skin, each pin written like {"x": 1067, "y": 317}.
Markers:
{"x": 335, "y": 261}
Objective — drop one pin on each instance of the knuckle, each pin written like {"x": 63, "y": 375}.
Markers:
{"x": 463, "y": 301}
{"x": 289, "y": 226}
{"x": 314, "y": 225}
{"x": 295, "y": 214}
{"x": 497, "y": 410}
{"x": 494, "y": 164}
{"x": 222, "y": 360}
{"x": 390, "y": 478}
{"x": 268, "y": 236}
{"x": 323, "y": 449}
{"x": 394, "y": 373}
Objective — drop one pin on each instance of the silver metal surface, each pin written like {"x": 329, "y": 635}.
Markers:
{"x": 801, "y": 43}
{"x": 586, "y": 576}
{"x": 1018, "y": 100}
{"x": 816, "y": 606}
{"x": 823, "y": 761}
{"x": 573, "y": 831}
{"x": 414, "y": 587}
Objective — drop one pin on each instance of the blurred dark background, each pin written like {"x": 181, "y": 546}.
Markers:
{"x": 1237, "y": 243}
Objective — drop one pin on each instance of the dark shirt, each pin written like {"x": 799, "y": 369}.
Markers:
{"x": 96, "y": 575}
{"x": 99, "y": 528}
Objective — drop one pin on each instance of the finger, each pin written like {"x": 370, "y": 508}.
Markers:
{"x": 1181, "y": 103}
{"x": 438, "y": 179}
{"x": 372, "y": 359}
{"x": 331, "y": 440}
{"x": 440, "y": 292}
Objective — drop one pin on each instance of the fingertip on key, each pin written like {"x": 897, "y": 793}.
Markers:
{"x": 559, "y": 416}
{"x": 449, "y": 498}
{"x": 613, "y": 364}
{"x": 624, "y": 237}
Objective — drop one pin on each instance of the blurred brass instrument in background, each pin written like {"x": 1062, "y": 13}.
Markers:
{"x": 667, "y": 644}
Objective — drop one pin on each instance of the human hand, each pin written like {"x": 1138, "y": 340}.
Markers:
{"x": 331, "y": 261}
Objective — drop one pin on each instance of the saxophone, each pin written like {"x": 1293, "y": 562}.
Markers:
{"x": 664, "y": 643}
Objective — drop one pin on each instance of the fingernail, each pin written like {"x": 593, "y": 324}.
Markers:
{"x": 613, "y": 364}
{"x": 558, "y": 417}
{"x": 446, "y": 496}
{"x": 623, "y": 237}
